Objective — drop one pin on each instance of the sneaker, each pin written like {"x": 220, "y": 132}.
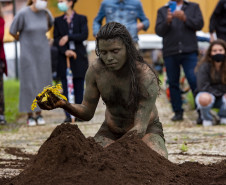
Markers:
{"x": 31, "y": 121}
{"x": 67, "y": 119}
{"x": 207, "y": 123}
{"x": 178, "y": 116}
{"x": 223, "y": 121}
{"x": 40, "y": 120}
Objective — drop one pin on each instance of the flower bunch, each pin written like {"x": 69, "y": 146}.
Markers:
{"x": 44, "y": 94}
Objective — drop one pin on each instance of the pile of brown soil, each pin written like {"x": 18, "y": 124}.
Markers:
{"x": 68, "y": 158}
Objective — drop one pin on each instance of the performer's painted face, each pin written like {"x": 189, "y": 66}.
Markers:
{"x": 113, "y": 53}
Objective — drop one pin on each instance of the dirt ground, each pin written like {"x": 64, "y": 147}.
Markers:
{"x": 67, "y": 156}
{"x": 185, "y": 140}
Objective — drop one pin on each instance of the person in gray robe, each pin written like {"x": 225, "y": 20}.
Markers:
{"x": 29, "y": 26}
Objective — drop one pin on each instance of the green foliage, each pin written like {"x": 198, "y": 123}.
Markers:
{"x": 216, "y": 110}
{"x": 185, "y": 137}
{"x": 190, "y": 99}
{"x": 161, "y": 78}
{"x": 184, "y": 147}
{"x": 11, "y": 93}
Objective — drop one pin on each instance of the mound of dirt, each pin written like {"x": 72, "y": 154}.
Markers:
{"x": 68, "y": 158}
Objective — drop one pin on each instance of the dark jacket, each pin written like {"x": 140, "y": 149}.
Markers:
{"x": 218, "y": 19}
{"x": 206, "y": 84}
{"x": 80, "y": 33}
{"x": 179, "y": 37}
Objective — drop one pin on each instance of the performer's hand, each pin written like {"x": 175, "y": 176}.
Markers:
{"x": 52, "y": 101}
{"x": 63, "y": 40}
{"x": 138, "y": 130}
{"x": 130, "y": 134}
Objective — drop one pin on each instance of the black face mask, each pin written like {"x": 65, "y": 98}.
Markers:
{"x": 218, "y": 57}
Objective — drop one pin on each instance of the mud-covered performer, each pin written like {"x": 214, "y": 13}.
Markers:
{"x": 127, "y": 85}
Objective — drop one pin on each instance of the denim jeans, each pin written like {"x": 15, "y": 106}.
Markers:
{"x": 78, "y": 90}
{"x": 126, "y": 12}
{"x": 188, "y": 61}
{"x": 219, "y": 102}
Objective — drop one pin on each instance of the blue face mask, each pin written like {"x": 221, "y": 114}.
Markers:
{"x": 62, "y": 6}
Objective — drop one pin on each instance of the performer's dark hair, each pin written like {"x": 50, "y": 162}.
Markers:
{"x": 114, "y": 30}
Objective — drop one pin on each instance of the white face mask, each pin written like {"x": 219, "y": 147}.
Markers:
{"x": 40, "y": 5}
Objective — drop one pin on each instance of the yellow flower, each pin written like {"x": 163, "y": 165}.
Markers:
{"x": 54, "y": 89}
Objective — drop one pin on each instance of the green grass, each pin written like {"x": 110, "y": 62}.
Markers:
{"x": 184, "y": 147}
{"x": 11, "y": 93}
{"x": 161, "y": 78}
{"x": 190, "y": 99}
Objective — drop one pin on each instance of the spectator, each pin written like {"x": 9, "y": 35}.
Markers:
{"x": 180, "y": 47}
{"x": 29, "y": 26}
{"x": 3, "y": 68}
{"x": 126, "y": 12}
{"x": 70, "y": 30}
{"x": 211, "y": 83}
{"x": 128, "y": 86}
{"x": 218, "y": 21}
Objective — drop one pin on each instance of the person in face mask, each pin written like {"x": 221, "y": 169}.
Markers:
{"x": 40, "y": 4}
{"x": 70, "y": 30}
{"x": 29, "y": 26}
{"x": 211, "y": 83}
